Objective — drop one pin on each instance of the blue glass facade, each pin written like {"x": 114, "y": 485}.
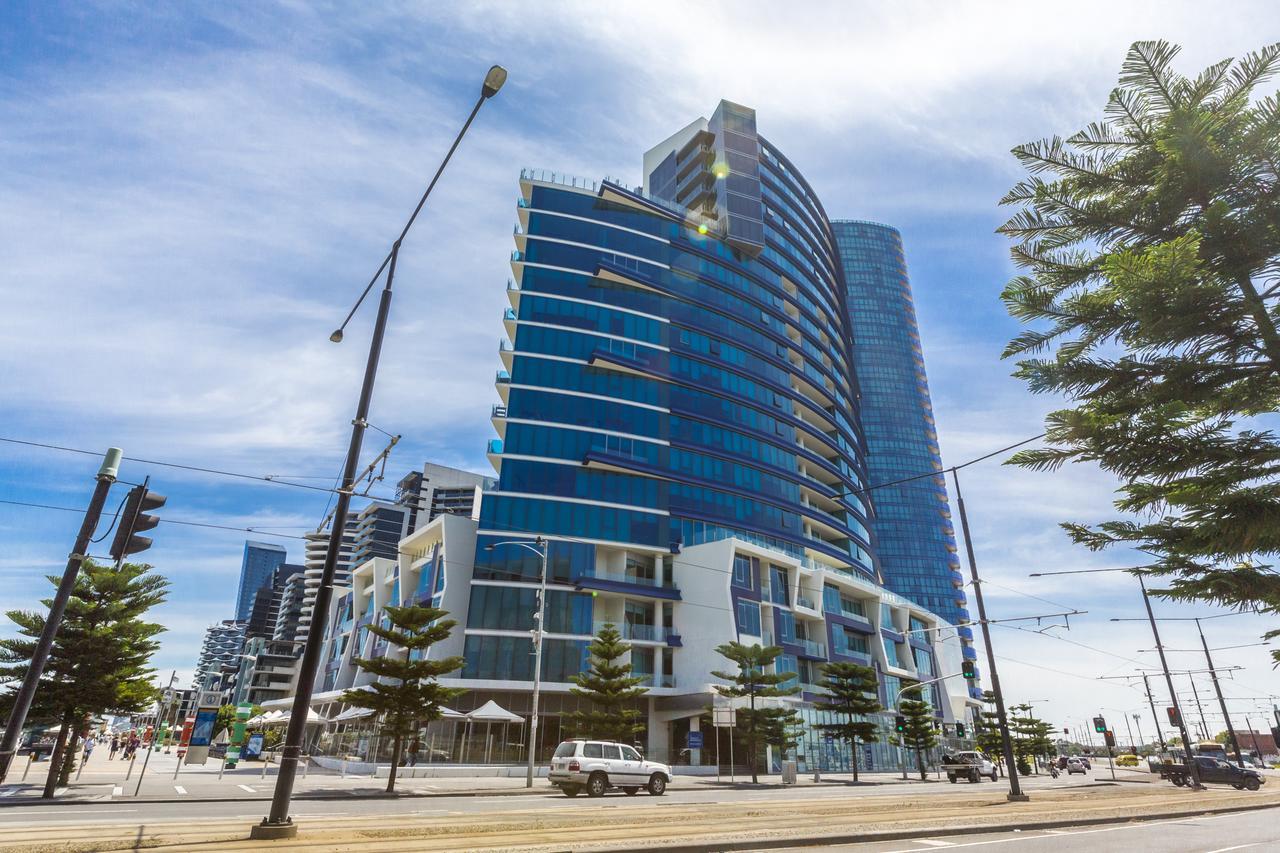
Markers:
{"x": 258, "y": 567}
{"x": 914, "y": 537}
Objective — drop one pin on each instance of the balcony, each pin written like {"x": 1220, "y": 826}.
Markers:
{"x": 502, "y": 378}
{"x": 651, "y": 680}
{"x": 813, "y": 649}
{"x": 806, "y": 603}
{"x": 495, "y": 446}
{"x": 627, "y": 583}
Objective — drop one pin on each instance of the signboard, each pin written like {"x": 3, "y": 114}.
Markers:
{"x": 253, "y": 748}
{"x": 724, "y": 718}
{"x": 209, "y": 699}
{"x": 693, "y": 740}
{"x": 201, "y": 735}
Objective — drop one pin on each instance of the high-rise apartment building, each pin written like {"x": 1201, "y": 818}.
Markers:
{"x": 680, "y": 418}
{"x": 219, "y": 654}
{"x": 914, "y": 538}
{"x": 264, "y": 613}
{"x": 261, "y": 559}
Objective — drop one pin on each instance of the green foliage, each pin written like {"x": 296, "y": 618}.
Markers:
{"x": 1032, "y": 737}
{"x": 850, "y": 696}
{"x": 611, "y": 691}
{"x": 407, "y": 694}
{"x": 752, "y": 682}
{"x": 920, "y": 734}
{"x": 1151, "y": 252}
{"x": 987, "y": 737}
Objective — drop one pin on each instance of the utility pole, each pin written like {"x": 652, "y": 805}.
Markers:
{"x": 1129, "y": 729}
{"x": 1151, "y": 700}
{"x": 1222, "y": 703}
{"x": 1015, "y": 790}
{"x": 1192, "y": 769}
{"x": 27, "y": 691}
{"x": 1137, "y": 723}
{"x": 1204, "y": 727}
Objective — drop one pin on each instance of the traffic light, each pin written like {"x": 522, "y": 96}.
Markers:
{"x": 899, "y": 723}
{"x": 1066, "y": 731}
{"x": 959, "y": 729}
{"x": 1175, "y": 719}
{"x": 1110, "y": 738}
{"x": 133, "y": 520}
{"x": 968, "y": 670}
{"x": 1099, "y": 725}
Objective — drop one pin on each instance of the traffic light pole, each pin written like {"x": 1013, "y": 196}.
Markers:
{"x": 1222, "y": 703}
{"x": 26, "y": 693}
{"x": 1015, "y": 790}
{"x": 1192, "y": 770}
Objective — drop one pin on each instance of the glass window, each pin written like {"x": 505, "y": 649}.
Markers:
{"x": 748, "y": 617}
{"x": 779, "y": 588}
{"x": 786, "y": 625}
{"x": 593, "y": 750}
{"x": 566, "y": 749}
{"x": 852, "y": 607}
{"x": 886, "y": 617}
{"x": 630, "y": 754}
{"x": 611, "y": 751}
{"x": 891, "y": 653}
{"x": 742, "y": 571}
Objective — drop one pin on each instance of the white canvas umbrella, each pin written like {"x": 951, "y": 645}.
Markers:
{"x": 491, "y": 712}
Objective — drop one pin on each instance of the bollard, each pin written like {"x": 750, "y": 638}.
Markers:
{"x": 266, "y": 762}
{"x": 28, "y": 770}
{"x": 306, "y": 765}
{"x": 223, "y": 767}
{"x": 129, "y": 772}
{"x": 344, "y": 769}
{"x": 177, "y": 767}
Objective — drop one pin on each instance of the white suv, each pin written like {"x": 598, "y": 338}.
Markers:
{"x": 597, "y": 766}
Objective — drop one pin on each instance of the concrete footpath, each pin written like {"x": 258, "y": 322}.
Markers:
{"x": 165, "y": 781}
{"x": 766, "y": 820}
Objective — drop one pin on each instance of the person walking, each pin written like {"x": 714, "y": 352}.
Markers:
{"x": 414, "y": 747}
{"x": 114, "y": 748}
{"x": 89, "y": 743}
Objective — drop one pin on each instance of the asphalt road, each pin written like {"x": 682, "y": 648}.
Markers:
{"x": 123, "y": 810}
{"x": 1257, "y": 831}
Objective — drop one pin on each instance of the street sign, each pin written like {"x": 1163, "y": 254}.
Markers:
{"x": 693, "y": 740}
{"x": 724, "y": 718}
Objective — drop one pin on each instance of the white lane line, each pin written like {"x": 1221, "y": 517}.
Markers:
{"x": 78, "y": 811}
{"x": 117, "y": 790}
{"x": 1237, "y": 847}
{"x": 933, "y": 842}
{"x": 180, "y": 789}
{"x": 246, "y": 788}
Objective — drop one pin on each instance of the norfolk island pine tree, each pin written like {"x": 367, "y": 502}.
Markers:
{"x": 752, "y": 683}
{"x": 610, "y": 689}
{"x": 851, "y": 693}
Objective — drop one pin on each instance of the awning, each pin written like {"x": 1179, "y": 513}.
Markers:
{"x": 492, "y": 712}
{"x": 352, "y": 714}
{"x": 313, "y": 719}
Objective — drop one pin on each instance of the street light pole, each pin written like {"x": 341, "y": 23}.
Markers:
{"x": 539, "y": 547}
{"x": 278, "y": 824}
{"x": 1222, "y": 703}
{"x": 44, "y": 646}
{"x": 1015, "y": 790}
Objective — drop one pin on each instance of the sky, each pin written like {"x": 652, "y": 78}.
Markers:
{"x": 192, "y": 196}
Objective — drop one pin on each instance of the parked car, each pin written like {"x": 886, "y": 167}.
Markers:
{"x": 600, "y": 766}
{"x": 971, "y": 765}
{"x": 1076, "y": 764}
{"x": 1215, "y": 770}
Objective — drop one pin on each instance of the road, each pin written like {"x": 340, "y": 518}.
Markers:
{"x": 752, "y": 819}
{"x": 1208, "y": 834}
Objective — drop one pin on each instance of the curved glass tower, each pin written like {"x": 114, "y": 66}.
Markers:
{"x": 915, "y": 540}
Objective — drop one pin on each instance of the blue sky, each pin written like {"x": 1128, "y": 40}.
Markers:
{"x": 192, "y": 197}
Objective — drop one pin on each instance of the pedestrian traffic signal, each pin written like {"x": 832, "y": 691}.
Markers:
{"x": 1175, "y": 719}
{"x": 899, "y": 723}
{"x": 1066, "y": 731}
{"x": 968, "y": 670}
{"x": 133, "y": 520}
{"x": 1099, "y": 725}
{"x": 1110, "y": 738}
{"x": 959, "y": 729}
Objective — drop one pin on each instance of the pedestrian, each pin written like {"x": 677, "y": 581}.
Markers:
{"x": 414, "y": 747}
{"x": 115, "y": 747}
{"x": 89, "y": 743}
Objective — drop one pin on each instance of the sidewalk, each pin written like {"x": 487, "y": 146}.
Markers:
{"x": 105, "y": 780}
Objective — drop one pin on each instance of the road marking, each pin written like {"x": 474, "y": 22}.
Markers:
{"x": 77, "y": 811}
{"x": 58, "y": 792}
{"x": 933, "y": 842}
{"x": 8, "y": 793}
{"x": 246, "y": 788}
{"x": 1237, "y": 847}
{"x": 117, "y": 791}
{"x": 180, "y": 789}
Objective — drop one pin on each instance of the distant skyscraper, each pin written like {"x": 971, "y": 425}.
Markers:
{"x": 914, "y": 538}
{"x": 261, "y": 559}
{"x": 265, "y": 609}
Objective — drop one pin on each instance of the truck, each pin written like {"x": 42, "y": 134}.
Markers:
{"x": 969, "y": 764}
{"x": 1213, "y": 770}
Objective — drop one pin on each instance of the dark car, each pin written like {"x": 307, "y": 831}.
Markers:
{"x": 1217, "y": 771}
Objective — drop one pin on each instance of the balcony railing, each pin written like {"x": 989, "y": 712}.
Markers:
{"x": 630, "y": 577}
{"x": 502, "y": 378}
{"x": 806, "y": 603}
{"x": 814, "y": 648}
{"x": 651, "y": 680}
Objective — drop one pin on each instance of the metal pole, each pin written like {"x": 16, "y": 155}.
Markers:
{"x": 1204, "y": 727}
{"x": 155, "y": 732}
{"x": 278, "y": 824}
{"x": 537, "y": 659}
{"x": 1152, "y": 702}
{"x": 1253, "y": 735}
{"x": 1015, "y": 790}
{"x": 1192, "y": 769}
{"x": 1222, "y": 703}
{"x": 1137, "y": 722}
{"x": 1129, "y": 729}
{"x": 27, "y": 691}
